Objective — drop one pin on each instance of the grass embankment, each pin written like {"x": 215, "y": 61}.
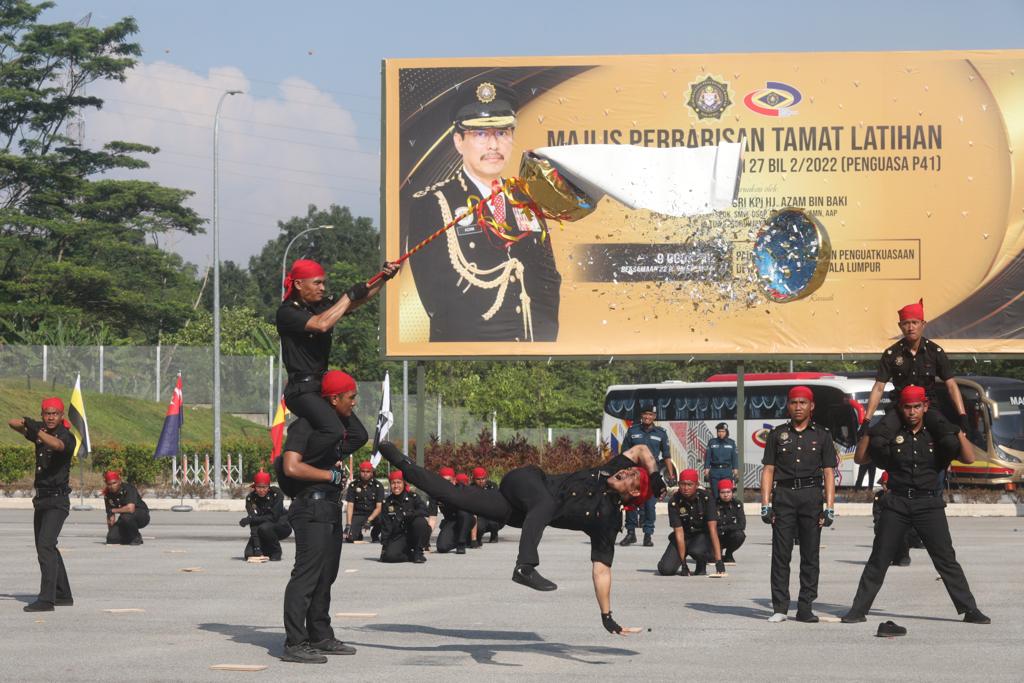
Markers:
{"x": 117, "y": 419}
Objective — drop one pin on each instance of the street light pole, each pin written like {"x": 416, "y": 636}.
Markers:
{"x": 216, "y": 302}
{"x": 284, "y": 272}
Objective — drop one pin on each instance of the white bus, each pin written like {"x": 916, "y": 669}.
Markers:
{"x": 690, "y": 411}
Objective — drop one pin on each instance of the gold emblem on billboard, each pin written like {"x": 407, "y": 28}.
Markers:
{"x": 709, "y": 98}
{"x": 486, "y": 92}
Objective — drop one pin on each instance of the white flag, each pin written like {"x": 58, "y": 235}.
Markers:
{"x": 384, "y": 419}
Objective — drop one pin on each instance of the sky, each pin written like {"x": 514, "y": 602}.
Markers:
{"x": 306, "y": 131}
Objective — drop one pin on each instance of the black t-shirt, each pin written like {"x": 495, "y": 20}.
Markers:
{"x": 911, "y": 460}
{"x": 364, "y": 495}
{"x": 303, "y": 351}
{"x": 268, "y": 508}
{"x": 692, "y": 514}
{"x": 903, "y": 368}
{"x": 54, "y": 467}
{"x": 126, "y": 494}
{"x": 298, "y": 436}
{"x": 799, "y": 454}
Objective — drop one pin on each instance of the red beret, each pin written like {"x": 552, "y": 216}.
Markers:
{"x": 446, "y": 472}
{"x": 913, "y": 394}
{"x": 301, "y": 270}
{"x": 366, "y": 465}
{"x": 111, "y": 476}
{"x": 396, "y": 475}
{"x": 725, "y": 485}
{"x": 51, "y": 403}
{"x": 336, "y": 382}
{"x": 261, "y": 478}
{"x": 885, "y": 477}
{"x": 912, "y": 311}
{"x": 479, "y": 473}
{"x": 801, "y": 392}
{"x": 461, "y": 478}
{"x": 689, "y": 475}
{"x": 645, "y": 486}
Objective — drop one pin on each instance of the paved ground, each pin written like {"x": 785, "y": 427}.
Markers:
{"x": 461, "y": 618}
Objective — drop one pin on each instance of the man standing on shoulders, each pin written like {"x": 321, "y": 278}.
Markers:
{"x": 799, "y": 458}
{"x": 656, "y": 439}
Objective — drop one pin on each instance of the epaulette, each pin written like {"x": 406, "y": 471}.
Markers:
{"x": 432, "y": 188}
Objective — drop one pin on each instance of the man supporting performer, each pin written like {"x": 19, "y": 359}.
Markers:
{"x": 305, "y": 322}
{"x": 404, "y": 528}
{"x": 454, "y": 530}
{"x": 694, "y": 522}
{"x": 126, "y": 511}
{"x": 914, "y": 501}
{"x": 799, "y": 458}
{"x": 588, "y": 500}
{"x": 265, "y": 518}
{"x": 485, "y": 526}
{"x": 54, "y": 444}
{"x": 314, "y": 479}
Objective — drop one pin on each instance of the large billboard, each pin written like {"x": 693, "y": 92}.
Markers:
{"x": 912, "y": 163}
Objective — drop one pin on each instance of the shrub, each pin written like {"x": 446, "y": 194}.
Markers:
{"x": 16, "y": 462}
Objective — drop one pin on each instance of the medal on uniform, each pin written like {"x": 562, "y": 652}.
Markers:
{"x": 898, "y": 361}
{"x": 900, "y": 439}
{"x": 784, "y": 436}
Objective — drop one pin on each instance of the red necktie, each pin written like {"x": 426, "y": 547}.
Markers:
{"x": 498, "y": 203}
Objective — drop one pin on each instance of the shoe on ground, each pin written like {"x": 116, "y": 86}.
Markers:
{"x": 476, "y": 544}
{"x": 972, "y": 617}
{"x": 332, "y": 646}
{"x": 701, "y": 570}
{"x": 807, "y": 617}
{"x": 529, "y": 576}
{"x": 903, "y": 562}
{"x": 684, "y": 570}
{"x": 460, "y": 550}
{"x": 851, "y": 618}
{"x": 64, "y": 602}
{"x": 648, "y": 541}
{"x": 136, "y": 541}
{"x": 777, "y": 618}
{"x": 493, "y": 538}
{"x": 418, "y": 558}
{"x": 630, "y": 539}
{"x": 889, "y": 629}
{"x": 302, "y": 654}
{"x": 729, "y": 559}
{"x": 38, "y": 606}
{"x": 275, "y": 557}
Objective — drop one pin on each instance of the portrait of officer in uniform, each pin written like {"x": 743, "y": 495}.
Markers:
{"x": 491, "y": 277}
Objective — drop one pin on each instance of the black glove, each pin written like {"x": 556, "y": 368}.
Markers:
{"x": 684, "y": 570}
{"x": 767, "y": 516}
{"x": 827, "y": 516}
{"x": 357, "y": 292}
{"x": 32, "y": 428}
{"x": 965, "y": 425}
{"x": 657, "y": 484}
{"x": 347, "y": 531}
{"x": 244, "y": 521}
{"x": 609, "y": 623}
{"x": 384, "y": 270}
{"x": 720, "y": 566}
{"x": 337, "y": 477}
{"x": 671, "y": 482}
{"x": 862, "y": 430}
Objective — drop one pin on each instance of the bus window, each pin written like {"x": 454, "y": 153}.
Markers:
{"x": 833, "y": 409}
{"x": 621, "y": 404}
{"x": 1008, "y": 425}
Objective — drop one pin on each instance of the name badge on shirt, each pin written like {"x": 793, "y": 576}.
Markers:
{"x": 467, "y": 222}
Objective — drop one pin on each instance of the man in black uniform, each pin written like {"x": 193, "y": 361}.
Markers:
{"x": 54, "y": 445}
{"x": 364, "y": 497}
{"x": 314, "y": 480}
{"x": 126, "y": 511}
{"x": 656, "y": 439}
{"x": 491, "y": 277}
{"x": 483, "y": 525}
{"x": 914, "y": 360}
{"x": 914, "y": 501}
{"x": 732, "y": 521}
{"x": 305, "y": 323}
{"x": 799, "y": 457}
{"x": 694, "y": 522}
{"x": 265, "y": 518}
{"x": 588, "y": 500}
{"x": 454, "y": 531}
{"x": 404, "y": 528}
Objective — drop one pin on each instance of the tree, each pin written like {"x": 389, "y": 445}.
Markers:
{"x": 73, "y": 246}
{"x": 237, "y": 288}
{"x": 242, "y": 333}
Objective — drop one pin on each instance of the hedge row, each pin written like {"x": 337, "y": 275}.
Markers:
{"x": 563, "y": 455}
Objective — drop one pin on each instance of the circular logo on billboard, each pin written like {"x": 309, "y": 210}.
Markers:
{"x": 709, "y": 98}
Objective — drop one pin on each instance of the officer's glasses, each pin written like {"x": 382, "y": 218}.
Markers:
{"x": 482, "y": 135}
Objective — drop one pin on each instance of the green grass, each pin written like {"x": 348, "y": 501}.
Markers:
{"x": 120, "y": 420}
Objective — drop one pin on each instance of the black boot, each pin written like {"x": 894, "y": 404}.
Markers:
{"x": 394, "y": 456}
{"x": 630, "y": 539}
{"x": 460, "y": 550}
{"x": 302, "y": 654}
{"x": 493, "y": 538}
{"x": 38, "y": 606}
{"x": 701, "y": 569}
{"x": 529, "y": 576}
{"x": 728, "y": 558}
{"x": 648, "y": 541}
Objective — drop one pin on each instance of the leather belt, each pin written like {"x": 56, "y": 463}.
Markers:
{"x": 719, "y": 467}
{"x": 799, "y": 482}
{"x": 299, "y": 377}
{"x": 911, "y": 493}
{"x": 332, "y": 496}
{"x": 53, "y": 492}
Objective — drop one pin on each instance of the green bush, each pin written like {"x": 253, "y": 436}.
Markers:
{"x": 16, "y": 462}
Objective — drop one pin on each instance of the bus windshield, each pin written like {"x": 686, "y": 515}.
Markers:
{"x": 1008, "y": 427}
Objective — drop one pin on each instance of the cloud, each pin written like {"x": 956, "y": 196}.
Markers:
{"x": 281, "y": 149}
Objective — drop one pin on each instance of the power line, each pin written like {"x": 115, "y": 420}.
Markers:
{"x": 273, "y": 166}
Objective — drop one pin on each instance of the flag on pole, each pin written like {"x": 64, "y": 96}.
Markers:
{"x": 277, "y": 429}
{"x": 384, "y": 419}
{"x": 76, "y": 416}
{"x": 170, "y": 436}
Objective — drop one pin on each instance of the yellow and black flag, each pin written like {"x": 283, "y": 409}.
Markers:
{"x": 79, "y": 424}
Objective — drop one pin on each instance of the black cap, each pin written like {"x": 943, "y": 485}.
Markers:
{"x": 722, "y": 425}
{"x": 484, "y": 103}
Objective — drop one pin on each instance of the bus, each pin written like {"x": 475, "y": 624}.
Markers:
{"x": 996, "y": 431}
{"x": 690, "y": 411}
